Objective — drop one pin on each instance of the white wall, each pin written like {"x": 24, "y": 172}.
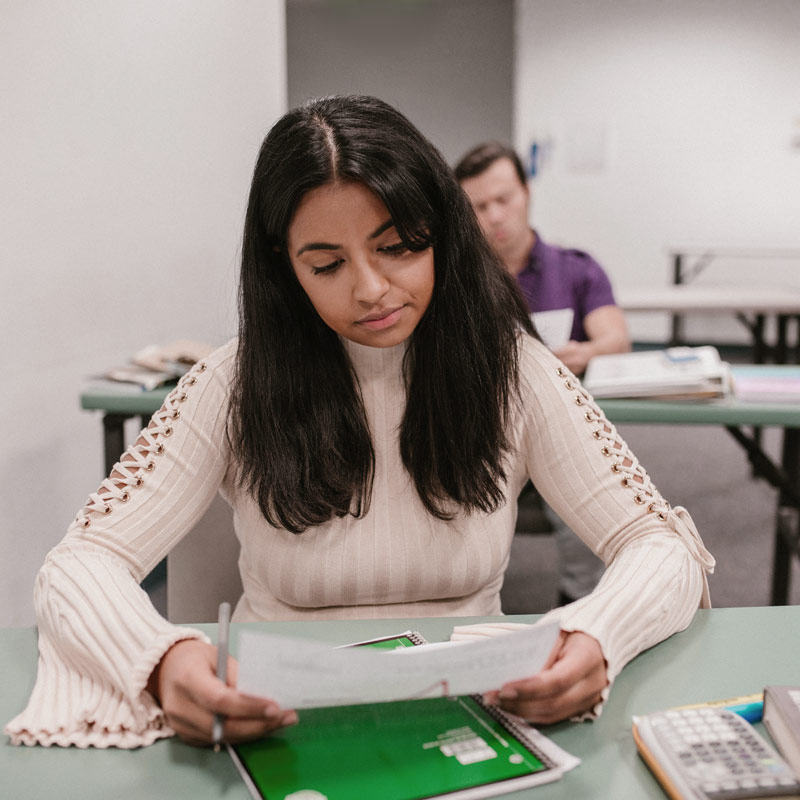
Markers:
{"x": 447, "y": 64}
{"x": 129, "y": 133}
{"x": 668, "y": 122}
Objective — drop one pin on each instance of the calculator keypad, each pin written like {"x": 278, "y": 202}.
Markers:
{"x": 723, "y": 755}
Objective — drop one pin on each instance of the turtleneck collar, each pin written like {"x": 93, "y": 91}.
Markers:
{"x": 375, "y": 359}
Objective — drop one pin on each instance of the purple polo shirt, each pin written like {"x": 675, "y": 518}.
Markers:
{"x": 556, "y": 278}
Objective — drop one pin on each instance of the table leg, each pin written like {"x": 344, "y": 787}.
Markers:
{"x": 676, "y": 336}
{"x": 786, "y": 531}
{"x": 760, "y": 347}
{"x": 786, "y": 479}
{"x": 113, "y": 439}
{"x": 782, "y": 340}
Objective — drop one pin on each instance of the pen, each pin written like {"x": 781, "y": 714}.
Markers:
{"x": 223, "y": 626}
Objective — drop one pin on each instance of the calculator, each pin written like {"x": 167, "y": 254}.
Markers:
{"x": 711, "y": 754}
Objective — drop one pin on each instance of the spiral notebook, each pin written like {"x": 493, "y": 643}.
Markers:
{"x": 456, "y": 748}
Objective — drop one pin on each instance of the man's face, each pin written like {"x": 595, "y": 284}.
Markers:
{"x": 501, "y": 203}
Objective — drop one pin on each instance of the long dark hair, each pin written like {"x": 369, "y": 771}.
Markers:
{"x": 298, "y": 428}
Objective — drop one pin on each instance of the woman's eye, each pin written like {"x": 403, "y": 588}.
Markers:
{"x": 394, "y": 249}
{"x": 327, "y": 268}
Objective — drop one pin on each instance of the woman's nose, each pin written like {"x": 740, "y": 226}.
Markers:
{"x": 370, "y": 283}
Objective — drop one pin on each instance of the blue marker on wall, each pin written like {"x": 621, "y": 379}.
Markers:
{"x": 533, "y": 160}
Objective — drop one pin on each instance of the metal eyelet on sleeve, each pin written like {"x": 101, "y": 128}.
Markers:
{"x": 625, "y": 464}
{"x": 127, "y": 473}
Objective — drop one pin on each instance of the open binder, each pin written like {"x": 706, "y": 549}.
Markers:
{"x": 457, "y": 748}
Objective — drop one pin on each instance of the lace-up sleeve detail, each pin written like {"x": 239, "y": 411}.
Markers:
{"x": 631, "y": 474}
{"x": 99, "y": 635}
{"x": 622, "y": 462}
{"x": 142, "y": 457}
{"x": 656, "y": 562}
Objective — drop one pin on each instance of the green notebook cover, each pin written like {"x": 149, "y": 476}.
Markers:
{"x": 410, "y": 750}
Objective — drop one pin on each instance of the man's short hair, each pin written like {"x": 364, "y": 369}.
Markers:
{"x": 481, "y": 157}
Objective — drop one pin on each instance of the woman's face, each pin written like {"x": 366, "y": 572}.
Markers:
{"x": 362, "y": 280}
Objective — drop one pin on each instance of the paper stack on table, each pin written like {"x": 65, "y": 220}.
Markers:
{"x": 677, "y": 373}
{"x": 156, "y": 365}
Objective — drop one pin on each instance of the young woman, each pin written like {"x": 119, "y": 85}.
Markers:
{"x": 371, "y": 427}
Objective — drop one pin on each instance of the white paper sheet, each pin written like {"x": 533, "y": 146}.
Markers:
{"x": 298, "y": 673}
{"x": 554, "y": 326}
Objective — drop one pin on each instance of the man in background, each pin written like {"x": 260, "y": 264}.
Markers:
{"x": 551, "y": 278}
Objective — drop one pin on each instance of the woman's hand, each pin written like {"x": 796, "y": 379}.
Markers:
{"x": 186, "y": 685}
{"x": 569, "y": 683}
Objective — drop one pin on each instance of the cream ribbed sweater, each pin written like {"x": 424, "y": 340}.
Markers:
{"x": 99, "y": 636}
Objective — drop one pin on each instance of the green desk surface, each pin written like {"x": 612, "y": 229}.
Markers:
{"x": 724, "y": 653}
{"x": 124, "y": 402}
{"x": 717, "y": 412}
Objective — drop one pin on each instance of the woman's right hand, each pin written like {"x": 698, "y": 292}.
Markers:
{"x": 186, "y": 686}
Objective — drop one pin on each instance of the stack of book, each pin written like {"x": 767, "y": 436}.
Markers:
{"x": 782, "y": 720}
{"x": 154, "y": 366}
{"x": 676, "y": 373}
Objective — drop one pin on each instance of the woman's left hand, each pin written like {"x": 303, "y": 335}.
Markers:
{"x": 570, "y": 682}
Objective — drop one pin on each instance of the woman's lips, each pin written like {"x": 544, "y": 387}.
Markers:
{"x": 381, "y": 319}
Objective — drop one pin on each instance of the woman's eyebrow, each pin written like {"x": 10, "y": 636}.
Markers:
{"x": 317, "y": 246}
{"x": 385, "y": 227}
{"x": 329, "y": 246}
